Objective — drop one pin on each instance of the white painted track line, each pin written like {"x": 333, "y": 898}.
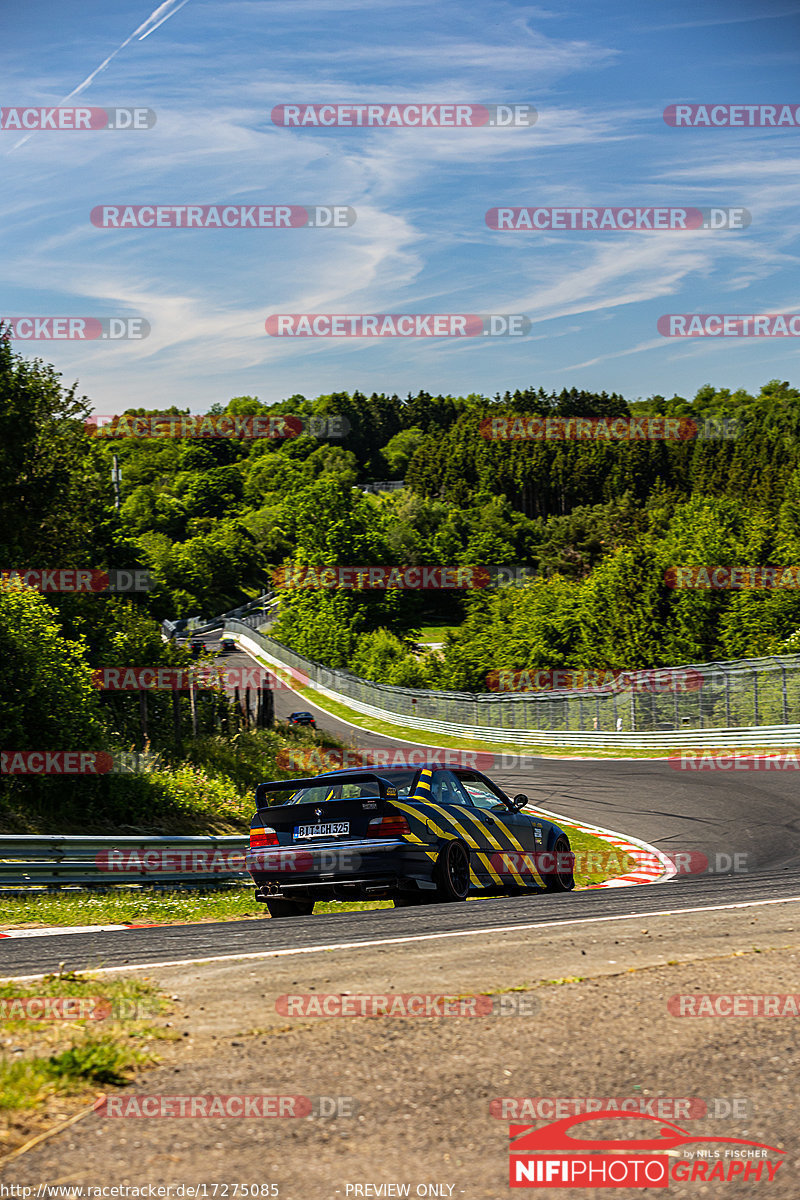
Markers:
{"x": 422, "y": 937}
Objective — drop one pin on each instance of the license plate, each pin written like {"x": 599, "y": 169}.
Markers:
{"x": 331, "y": 829}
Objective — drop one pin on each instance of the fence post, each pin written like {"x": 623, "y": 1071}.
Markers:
{"x": 193, "y": 706}
{"x": 727, "y": 699}
{"x": 784, "y": 697}
{"x": 176, "y": 721}
{"x": 755, "y": 696}
{"x": 143, "y": 716}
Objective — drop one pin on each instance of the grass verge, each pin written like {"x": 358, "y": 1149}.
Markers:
{"x": 94, "y": 1035}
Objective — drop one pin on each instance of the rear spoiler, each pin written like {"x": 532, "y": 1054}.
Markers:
{"x": 386, "y": 788}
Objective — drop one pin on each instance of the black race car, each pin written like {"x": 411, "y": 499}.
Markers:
{"x": 410, "y": 835}
{"x": 227, "y": 645}
{"x": 302, "y": 718}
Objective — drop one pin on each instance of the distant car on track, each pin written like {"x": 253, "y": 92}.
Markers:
{"x": 302, "y": 718}
{"x": 227, "y": 645}
{"x": 412, "y": 835}
{"x": 196, "y": 647}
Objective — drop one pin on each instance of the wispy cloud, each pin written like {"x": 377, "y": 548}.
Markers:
{"x": 159, "y": 16}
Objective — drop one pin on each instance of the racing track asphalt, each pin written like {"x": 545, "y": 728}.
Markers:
{"x": 751, "y": 813}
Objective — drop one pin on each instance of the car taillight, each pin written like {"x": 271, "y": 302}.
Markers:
{"x": 263, "y": 837}
{"x": 393, "y": 826}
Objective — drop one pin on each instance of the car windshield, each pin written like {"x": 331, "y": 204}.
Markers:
{"x": 366, "y": 790}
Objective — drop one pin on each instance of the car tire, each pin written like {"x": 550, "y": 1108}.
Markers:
{"x": 290, "y": 908}
{"x": 452, "y": 872}
{"x": 561, "y": 879}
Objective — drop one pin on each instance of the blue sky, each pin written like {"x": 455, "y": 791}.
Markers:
{"x": 599, "y": 74}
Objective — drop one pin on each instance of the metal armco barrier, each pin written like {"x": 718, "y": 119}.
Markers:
{"x": 35, "y": 860}
{"x": 754, "y": 702}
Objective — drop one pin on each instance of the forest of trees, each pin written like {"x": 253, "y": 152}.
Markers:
{"x": 596, "y": 524}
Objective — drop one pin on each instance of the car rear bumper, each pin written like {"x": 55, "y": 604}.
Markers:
{"x": 337, "y": 869}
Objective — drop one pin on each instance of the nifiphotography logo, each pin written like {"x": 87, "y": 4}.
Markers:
{"x": 554, "y": 1157}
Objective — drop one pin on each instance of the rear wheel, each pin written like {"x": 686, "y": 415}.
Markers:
{"x": 561, "y": 879}
{"x": 452, "y": 872}
{"x": 290, "y": 908}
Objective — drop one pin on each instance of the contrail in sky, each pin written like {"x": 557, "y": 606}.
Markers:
{"x": 156, "y": 18}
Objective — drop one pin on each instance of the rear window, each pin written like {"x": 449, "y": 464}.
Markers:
{"x": 344, "y": 791}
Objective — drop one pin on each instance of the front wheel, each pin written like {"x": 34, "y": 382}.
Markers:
{"x": 290, "y": 908}
{"x": 452, "y": 872}
{"x": 562, "y": 878}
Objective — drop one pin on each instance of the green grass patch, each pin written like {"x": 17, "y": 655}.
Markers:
{"x": 145, "y": 906}
{"x": 434, "y": 633}
{"x": 52, "y": 1063}
{"x": 596, "y": 860}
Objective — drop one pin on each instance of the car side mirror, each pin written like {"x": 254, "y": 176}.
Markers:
{"x": 519, "y": 801}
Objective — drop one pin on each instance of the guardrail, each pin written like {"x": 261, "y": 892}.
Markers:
{"x": 37, "y": 860}
{"x": 739, "y": 703}
{"x": 192, "y": 626}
